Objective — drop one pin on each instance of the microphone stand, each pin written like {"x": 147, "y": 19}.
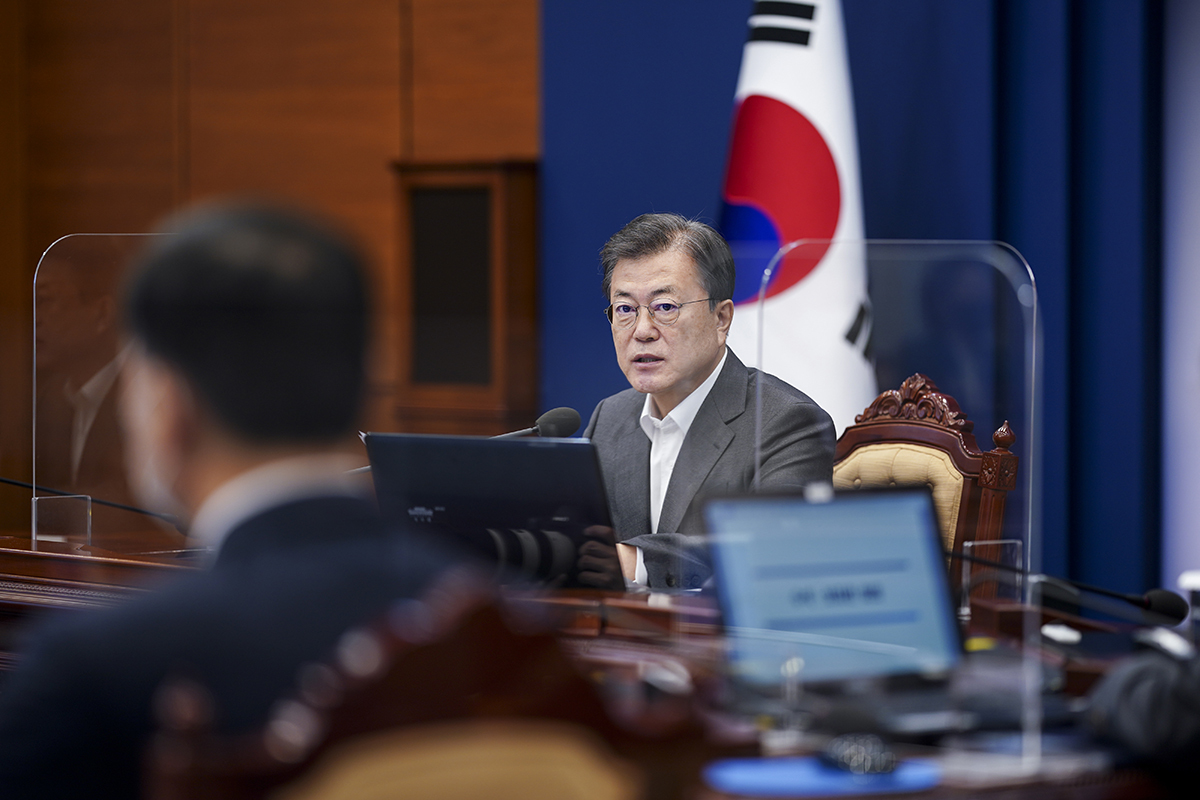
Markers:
{"x": 517, "y": 434}
{"x": 1074, "y": 590}
{"x": 167, "y": 518}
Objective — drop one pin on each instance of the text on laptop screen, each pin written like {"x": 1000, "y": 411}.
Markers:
{"x": 855, "y": 587}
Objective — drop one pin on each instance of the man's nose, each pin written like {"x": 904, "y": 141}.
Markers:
{"x": 644, "y": 326}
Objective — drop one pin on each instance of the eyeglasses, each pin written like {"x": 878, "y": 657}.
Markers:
{"x": 663, "y": 312}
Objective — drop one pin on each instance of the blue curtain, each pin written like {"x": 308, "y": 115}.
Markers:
{"x": 1034, "y": 122}
{"x": 1037, "y": 122}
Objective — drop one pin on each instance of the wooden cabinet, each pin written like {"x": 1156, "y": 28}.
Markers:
{"x": 466, "y": 305}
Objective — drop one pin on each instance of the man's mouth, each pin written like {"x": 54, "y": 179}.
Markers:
{"x": 646, "y": 359}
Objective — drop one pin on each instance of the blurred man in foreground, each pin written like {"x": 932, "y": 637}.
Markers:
{"x": 240, "y": 398}
{"x": 686, "y": 428}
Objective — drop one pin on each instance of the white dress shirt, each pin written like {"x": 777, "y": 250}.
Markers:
{"x": 666, "y": 437}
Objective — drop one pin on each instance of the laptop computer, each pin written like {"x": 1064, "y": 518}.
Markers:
{"x": 841, "y": 607}
{"x": 855, "y": 587}
{"x": 849, "y": 600}
{"x": 520, "y": 502}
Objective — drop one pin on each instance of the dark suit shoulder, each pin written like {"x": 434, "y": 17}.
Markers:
{"x": 622, "y": 401}
{"x": 734, "y": 394}
{"x": 615, "y": 411}
{"x": 781, "y": 398}
{"x": 86, "y": 680}
{"x": 799, "y": 438}
{"x": 777, "y": 388}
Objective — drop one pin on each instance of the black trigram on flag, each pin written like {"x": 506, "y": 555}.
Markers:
{"x": 782, "y": 21}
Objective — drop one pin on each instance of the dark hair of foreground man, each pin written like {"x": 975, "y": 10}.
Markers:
{"x": 266, "y": 313}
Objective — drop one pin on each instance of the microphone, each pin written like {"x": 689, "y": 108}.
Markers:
{"x": 1167, "y": 603}
{"x": 556, "y": 423}
{"x": 1156, "y": 601}
{"x": 1162, "y": 604}
{"x": 1158, "y": 606}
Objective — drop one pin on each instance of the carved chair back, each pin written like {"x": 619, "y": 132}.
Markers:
{"x": 443, "y": 698}
{"x": 919, "y": 435}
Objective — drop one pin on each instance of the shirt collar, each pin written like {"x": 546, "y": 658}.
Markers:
{"x": 685, "y": 413}
{"x": 269, "y": 485}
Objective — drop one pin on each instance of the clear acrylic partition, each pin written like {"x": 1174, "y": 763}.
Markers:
{"x": 78, "y": 344}
{"x": 845, "y": 320}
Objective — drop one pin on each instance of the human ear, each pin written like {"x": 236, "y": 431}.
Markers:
{"x": 724, "y": 317}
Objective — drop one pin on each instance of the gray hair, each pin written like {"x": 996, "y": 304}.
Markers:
{"x": 651, "y": 234}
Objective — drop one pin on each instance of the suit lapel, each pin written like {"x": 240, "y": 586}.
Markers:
{"x": 635, "y": 477}
{"x": 627, "y": 469}
{"x": 707, "y": 439}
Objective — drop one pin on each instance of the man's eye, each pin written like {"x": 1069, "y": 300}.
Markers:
{"x": 665, "y": 307}
{"x": 623, "y": 309}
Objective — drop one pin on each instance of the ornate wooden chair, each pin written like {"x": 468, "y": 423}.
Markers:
{"x": 442, "y": 699}
{"x": 918, "y": 435}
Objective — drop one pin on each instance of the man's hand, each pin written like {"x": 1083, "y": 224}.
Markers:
{"x": 598, "y": 565}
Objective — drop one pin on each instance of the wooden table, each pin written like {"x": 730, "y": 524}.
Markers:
{"x": 63, "y": 575}
{"x": 611, "y": 634}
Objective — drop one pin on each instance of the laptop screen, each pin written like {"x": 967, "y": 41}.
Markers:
{"x": 521, "y": 502}
{"x": 855, "y": 587}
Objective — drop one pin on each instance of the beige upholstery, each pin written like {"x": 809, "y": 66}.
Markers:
{"x": 893, "y": 463}
{"x": 499, "y": 760}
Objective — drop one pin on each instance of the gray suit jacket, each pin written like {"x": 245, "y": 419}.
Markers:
{"x": 717, "y": 457}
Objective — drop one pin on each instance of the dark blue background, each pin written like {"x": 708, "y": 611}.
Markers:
{"x": 1035, "y": 122}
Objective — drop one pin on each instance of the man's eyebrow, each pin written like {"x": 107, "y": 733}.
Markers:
{"x": 671, "y": 290}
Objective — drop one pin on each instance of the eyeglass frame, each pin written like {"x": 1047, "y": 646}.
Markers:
{"x": 637, "y": 313}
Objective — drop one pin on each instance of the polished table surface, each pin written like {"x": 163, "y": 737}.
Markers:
{"x": 66, "y": 575}
{"x": 669, "y": 636}
{"x": 636, "y": 637}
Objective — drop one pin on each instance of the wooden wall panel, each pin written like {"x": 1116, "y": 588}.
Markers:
{"x": 93, "y": 149}
{"x": 299, "y": 99}
{"x": 15, "y": 273}
{"x": 101, "y": 127}
{"x": 475, "y": 73}
{"x": 114, "y": 113}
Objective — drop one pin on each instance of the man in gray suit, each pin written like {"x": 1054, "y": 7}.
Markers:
{"x": 686, "y": 428}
